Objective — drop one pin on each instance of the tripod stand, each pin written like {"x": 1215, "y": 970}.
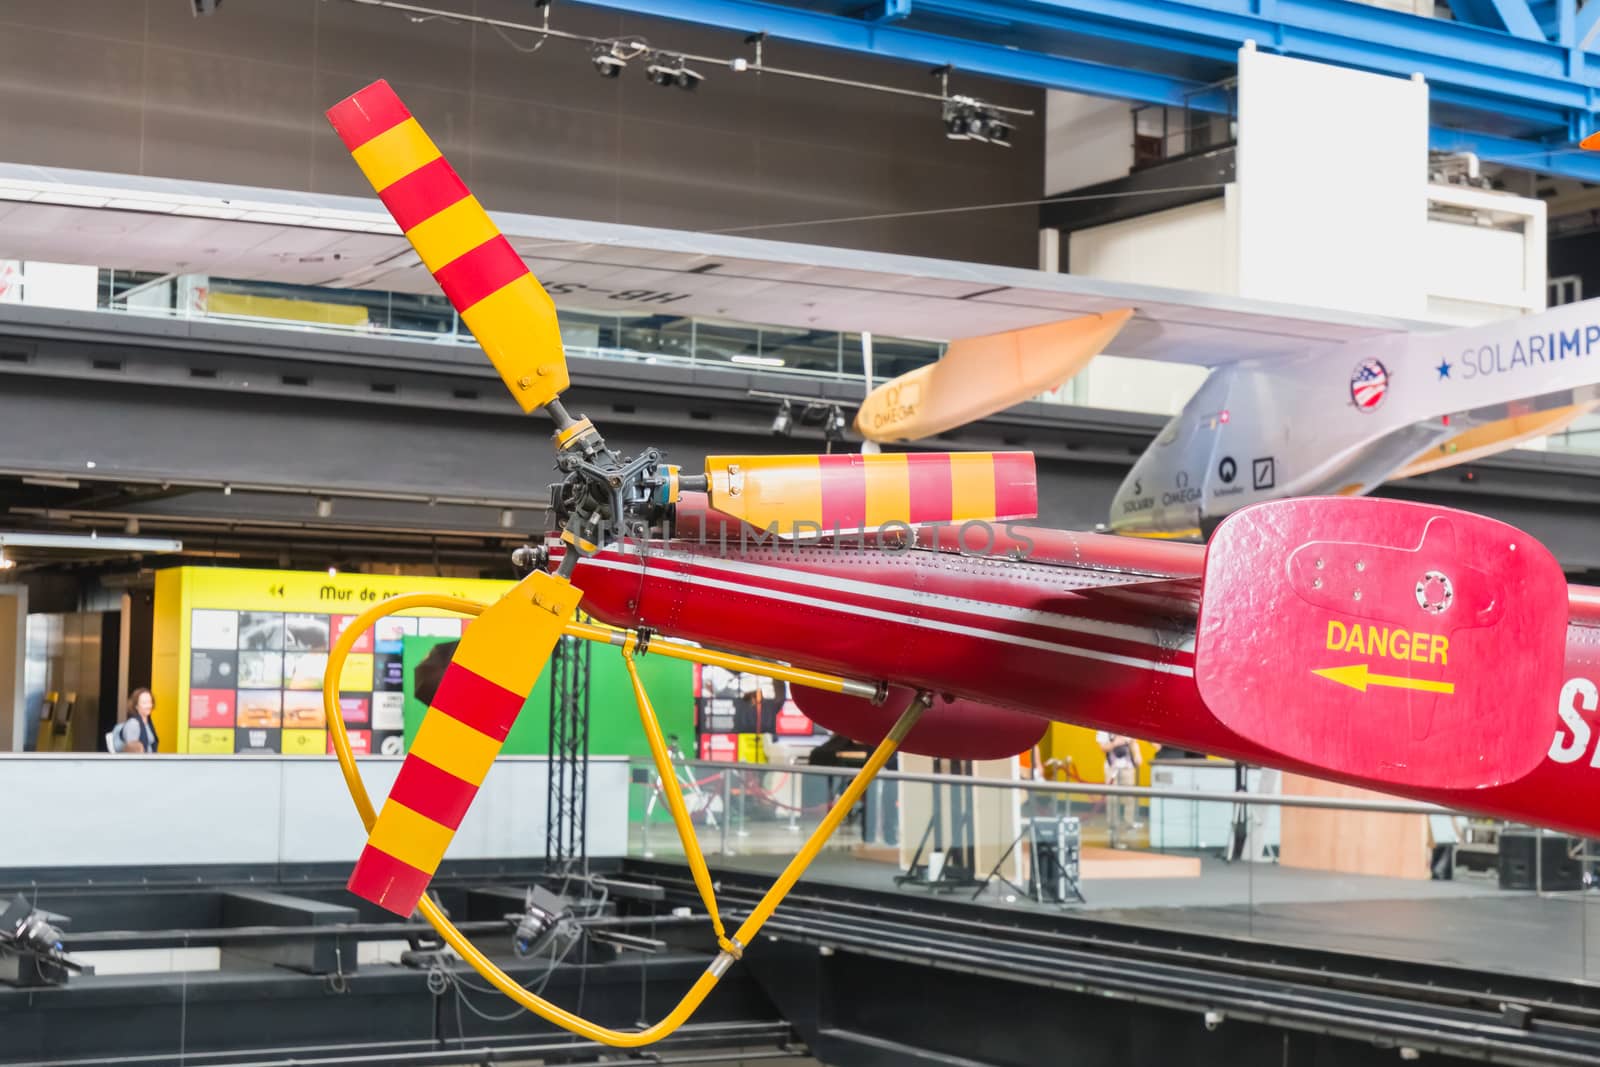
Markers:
{"x": 952, "y": 868}
{"x": 1053, "y": 842}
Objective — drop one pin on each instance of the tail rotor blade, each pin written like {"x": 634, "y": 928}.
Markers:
{"x": 493, "y": 671}
{"x": 850, "y": 492}
{"x": 487, "y": 282}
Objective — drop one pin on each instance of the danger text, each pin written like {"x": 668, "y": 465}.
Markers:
{"x": 1370, "y": 640}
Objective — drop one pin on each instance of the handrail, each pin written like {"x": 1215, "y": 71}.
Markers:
{"x": 1396, "y": 806}
{"x": 465, "y": 340}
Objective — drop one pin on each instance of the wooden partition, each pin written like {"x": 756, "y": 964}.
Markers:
{"x": 1351, "y": 842}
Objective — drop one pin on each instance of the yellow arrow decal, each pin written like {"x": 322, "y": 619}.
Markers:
{"x": 1357, "y": 677}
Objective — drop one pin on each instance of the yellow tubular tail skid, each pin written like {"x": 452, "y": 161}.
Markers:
{"x": 763, "y": 910}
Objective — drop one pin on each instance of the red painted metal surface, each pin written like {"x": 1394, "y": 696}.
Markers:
{"x": 952, "y": 728}
{"x": 1380, "y": 642}
{"x": 1040, "y": 635}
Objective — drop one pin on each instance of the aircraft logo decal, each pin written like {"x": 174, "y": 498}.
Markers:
{"x": 1369, "y": 384}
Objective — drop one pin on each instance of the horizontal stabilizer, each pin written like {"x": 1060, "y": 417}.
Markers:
{"x": 808, "y": 496}
{"x": 1384, "y": 641}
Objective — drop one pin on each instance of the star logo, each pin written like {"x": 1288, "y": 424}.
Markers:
{"x": 1444, "y": 369}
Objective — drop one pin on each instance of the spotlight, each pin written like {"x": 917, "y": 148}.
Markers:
{"x": 607, "y": 63}
{"x": 324, "y": 507}
{"x": 6, "y": 562}
{"x": 333, "y": 572}
{"x": 665, "y": 70}
{"x": 967, "y": 119}
{"x": 784, "y": 422}
{"x": 833, "y": 428}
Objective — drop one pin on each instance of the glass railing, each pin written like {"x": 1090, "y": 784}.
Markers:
{"x": 1378, "y": 877}
{"x": 643, "y": 330}
{"x": 1583, "y": 435}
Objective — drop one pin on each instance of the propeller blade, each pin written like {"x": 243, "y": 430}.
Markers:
{"x": 498, "y": 298}
{"x": 850, "y": 492}
{"x": 978, "y": 376}
{"x": 482, "y": 691}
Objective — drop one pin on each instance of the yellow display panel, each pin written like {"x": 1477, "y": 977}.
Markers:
{"x": 211, "y": 742}
{"x": 232, "y": 646}
{"x": 356, "y": 677}
{"x": 305, "y": 742}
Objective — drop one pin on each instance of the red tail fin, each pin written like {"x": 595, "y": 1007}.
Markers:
{"x": 1388, "y": 641}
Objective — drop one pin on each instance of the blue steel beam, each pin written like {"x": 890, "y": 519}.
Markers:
{"x": 1559, "y": 27}
{"x": 891, "y": 41}
{"x": 1513, "y": 16}
{"x": 1119, "y": 22}
{"x": 1449, "y": 54}
{"x": 1484, "y": 64}
{"x": 1585, "y": 24}
{"x": 1154, "y": 37}
{"x": 895, "y": 42}
{"x": 1568, "y": 161}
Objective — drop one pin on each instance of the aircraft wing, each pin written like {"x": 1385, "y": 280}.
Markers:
{"x": 155, "y": 224}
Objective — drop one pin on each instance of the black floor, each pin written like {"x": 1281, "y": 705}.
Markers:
{"x": 1471, "y": 924}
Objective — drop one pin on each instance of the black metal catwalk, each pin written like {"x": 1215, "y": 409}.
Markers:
{"x": 566, "y": 840}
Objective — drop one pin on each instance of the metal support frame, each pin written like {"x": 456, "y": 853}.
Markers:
{"x": 1506, "y": 67}
{"x": 566, "y": 842}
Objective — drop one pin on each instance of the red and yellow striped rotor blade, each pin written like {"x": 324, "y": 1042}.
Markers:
{"x": 498, "y": 298}
{"x": 850, "y": 492}
{"x": 493, "y": 671}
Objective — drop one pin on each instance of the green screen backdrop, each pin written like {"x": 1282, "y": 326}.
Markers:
{"x": 614, "y": 728}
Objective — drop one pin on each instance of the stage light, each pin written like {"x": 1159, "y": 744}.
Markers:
{"x": 665, "y": 70}
{"x": 969, "y": 119}
{"x": 784, "y": 421}
{"x": 6, "y": 562}
{"x": 607, "y": 63}
{"x": 833, "y": 428}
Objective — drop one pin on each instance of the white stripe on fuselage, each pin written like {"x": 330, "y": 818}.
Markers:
{"x": 1072, "y": 623}
{"x": 892, "y": 617}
